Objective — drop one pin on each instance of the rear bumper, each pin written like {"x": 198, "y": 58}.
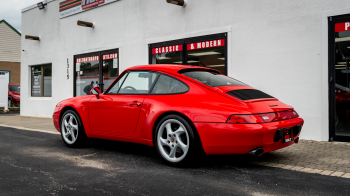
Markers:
{"x": 226, "y": 138}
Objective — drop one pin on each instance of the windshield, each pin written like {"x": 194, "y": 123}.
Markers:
{"x": 14, "y": 88}
{"x": 212, "y": 79}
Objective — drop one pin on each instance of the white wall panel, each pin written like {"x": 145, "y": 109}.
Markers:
{"x": 275, "y": 46}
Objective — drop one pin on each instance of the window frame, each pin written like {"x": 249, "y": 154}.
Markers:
{"x": 150, "y": 93}
{"x": 152, "y": 86}
{"x": 42, "y": 80}
{"x": 127, "y": 72}
{"x": 115, "y": 82}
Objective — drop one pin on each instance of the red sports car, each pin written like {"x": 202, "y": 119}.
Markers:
{"x": 14, "y": 95}
{"x": 180, "y": 110}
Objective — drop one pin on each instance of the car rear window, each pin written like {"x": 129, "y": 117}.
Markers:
{"x": 248, "y": 94}
{"x": 212, "y": 79}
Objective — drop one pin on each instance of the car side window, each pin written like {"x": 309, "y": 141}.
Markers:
{"x": 116, "y": 86}
{"x": 138, "y": 83}
{"x": 168, "y": 85}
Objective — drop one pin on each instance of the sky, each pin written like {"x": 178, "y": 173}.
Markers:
{"x": 10, "y": 10}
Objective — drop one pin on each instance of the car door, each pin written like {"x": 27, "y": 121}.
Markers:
{"x": 117, "y": 111}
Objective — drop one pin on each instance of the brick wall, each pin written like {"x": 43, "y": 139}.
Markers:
{"x": 14, "y": 68}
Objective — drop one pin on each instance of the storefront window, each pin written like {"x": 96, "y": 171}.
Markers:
{"x": 95, "y": 69}
{"x": 206, "y": 51}
{"x": 110, "y": 68}
{"x": 342, "y": 78}
{"x": 167, "y": 55}
{"x": 87, "y": 74}
{"x": 209, "y": 54}
{"x": 41, "y": 80}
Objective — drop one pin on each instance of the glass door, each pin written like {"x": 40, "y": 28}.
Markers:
{"x": 86, "y": 74}
{"x": 95, "y": 69}
{"x": 339, "y": 43}
{"x": 110, "y": 68}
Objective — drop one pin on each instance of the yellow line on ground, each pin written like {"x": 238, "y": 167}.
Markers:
{"x": 29, "y": 129}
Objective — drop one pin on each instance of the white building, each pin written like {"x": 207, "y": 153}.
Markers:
{"x": 284, "y": 48}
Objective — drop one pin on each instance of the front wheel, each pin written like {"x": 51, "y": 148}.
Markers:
{"x": 175, "y": 140}
{"x": 72, "y": 129}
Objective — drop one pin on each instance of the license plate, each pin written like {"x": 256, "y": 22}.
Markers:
{"x": 287, "y": 135}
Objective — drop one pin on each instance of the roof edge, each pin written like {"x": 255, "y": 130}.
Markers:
{"x": 4, "y": 21}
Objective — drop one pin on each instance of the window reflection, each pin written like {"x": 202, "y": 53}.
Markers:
{"x": 110, "y": 69}
{"x": 167, "y": 55}
{"x": 209, "y": 54}
{"x": 342, "y": 91}
{"x": 87, "y": 74}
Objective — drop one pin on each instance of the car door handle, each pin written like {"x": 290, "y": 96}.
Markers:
{"x": 135, "y": 103}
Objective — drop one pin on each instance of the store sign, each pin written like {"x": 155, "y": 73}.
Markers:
{"x": 70, "y": 7}
{"x": 166, "y": 49}
{"x": 344, "y": 26}
{"x": 110, "y": 56}
{"x": 87, "y": 59}
{"x": 36, "y": 82}
{"x": 206, "y": 44}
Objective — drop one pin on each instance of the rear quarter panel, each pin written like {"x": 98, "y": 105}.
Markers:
{"x": 199, "y": 105}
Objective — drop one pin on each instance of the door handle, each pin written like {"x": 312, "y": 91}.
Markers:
{"x": 135, "y": 103}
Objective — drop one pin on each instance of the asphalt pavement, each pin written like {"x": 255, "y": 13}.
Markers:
{"x": 38, "y": 163}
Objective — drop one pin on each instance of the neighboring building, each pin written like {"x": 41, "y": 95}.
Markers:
{"x": 296, "y": 51}
{"x": 10, "y": 51}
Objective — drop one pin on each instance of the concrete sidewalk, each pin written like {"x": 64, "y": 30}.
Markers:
{"x": 14, "y": 119}
{"x": 326, "y": 158}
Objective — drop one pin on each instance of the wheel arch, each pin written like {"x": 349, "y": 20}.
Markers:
{"x": 64, "y": 110}
{"x": 160, "y": 117}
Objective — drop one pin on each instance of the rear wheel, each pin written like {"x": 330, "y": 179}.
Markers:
{"x": 175, "y": 140}
{"x": 72, "y": 129}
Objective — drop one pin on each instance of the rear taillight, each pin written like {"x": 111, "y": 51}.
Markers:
{"x": 261, "y": 118}
{"x": 245, "y": 119}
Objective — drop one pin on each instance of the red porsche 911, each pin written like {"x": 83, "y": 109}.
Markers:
{"x": 180, "y": 110}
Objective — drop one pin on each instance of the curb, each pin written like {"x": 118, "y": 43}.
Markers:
{"x": 303, "y": 169}
{"x": 29, "y": 129}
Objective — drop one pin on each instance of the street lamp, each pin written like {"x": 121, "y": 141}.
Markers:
{"x": 85, "y": 24}
{"x": 177, "y": 2}
{"x": 41, "y": 5}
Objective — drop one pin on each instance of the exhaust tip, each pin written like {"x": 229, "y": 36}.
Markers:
{"x": 257, "y": 152}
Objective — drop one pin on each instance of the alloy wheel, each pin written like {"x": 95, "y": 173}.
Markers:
{"x": 69, "y": 128}
{"x": 9, "y": 103}
{"x": 173, "y": 140}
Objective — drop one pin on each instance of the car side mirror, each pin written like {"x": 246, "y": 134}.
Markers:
{"x": 96, "y": 91}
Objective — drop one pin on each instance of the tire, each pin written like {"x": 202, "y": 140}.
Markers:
{"x": 72, "y": 129}
{"x": 10, "y": 103}
{"x": 176, "y": 141}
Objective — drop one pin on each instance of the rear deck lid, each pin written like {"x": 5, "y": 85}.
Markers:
{"x": 255, "y": 99}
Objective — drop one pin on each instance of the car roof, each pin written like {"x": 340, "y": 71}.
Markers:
{"x": 14, "y": 84}
{"x": 170, "y": 68}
